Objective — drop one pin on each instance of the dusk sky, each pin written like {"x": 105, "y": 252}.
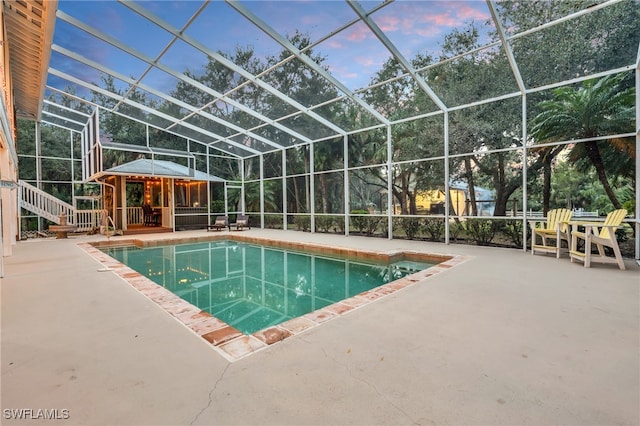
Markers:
{"x": 353, "y": 55}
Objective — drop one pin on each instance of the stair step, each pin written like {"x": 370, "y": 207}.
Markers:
{"x": 39, "y": 202}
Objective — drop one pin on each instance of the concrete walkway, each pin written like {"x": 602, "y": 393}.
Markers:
{"x": 505, "y": 338}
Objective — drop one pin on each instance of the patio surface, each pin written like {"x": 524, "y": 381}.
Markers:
{"x": 504, "y": 338}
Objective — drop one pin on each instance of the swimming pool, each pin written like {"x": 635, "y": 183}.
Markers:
{"x": 252, "y": 287}
{"x": 226, "y": 340}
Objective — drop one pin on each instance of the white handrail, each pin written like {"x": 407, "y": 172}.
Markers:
{"x": 88, "y": 220}
{"x": 46, "y": 205}
{"x": 108, "y": 220}
{"x": 49, "y": 207}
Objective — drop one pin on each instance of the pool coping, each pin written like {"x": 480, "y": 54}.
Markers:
{"x": 230, "y": 342}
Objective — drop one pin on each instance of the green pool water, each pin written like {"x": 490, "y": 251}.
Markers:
{"x": 252, "y": 287}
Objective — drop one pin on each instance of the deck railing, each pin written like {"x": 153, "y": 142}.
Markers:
{"x": 87, "y": 220}
{"x": 51, "y": 208}
{"x": 537, "y": 214}
{"x": 135, "y": 216}
{"x": 45, "y": 205}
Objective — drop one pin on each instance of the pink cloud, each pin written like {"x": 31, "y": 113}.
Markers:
{"x": 351, "y": 75}
{"x": 334, "y": 43}
{"x": 442, "y": 19}
{"x": 427, "y": 31}
{"x": 467, "y": 13}
{"x": 365, "y": 61}
{"x": 409, "y": 17}
{"x": 358, "y": 33}
{"x": 390, "y": 23}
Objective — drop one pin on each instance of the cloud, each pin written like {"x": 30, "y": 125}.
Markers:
{"x": 334, "y": 43}
{"x": 412, "y": 17}
{"x": 350, "y": 78}
{"x": 467, "y": 12}
{"x": 358, "y": 32}
{"x": 366, "y": 61}
{"x": 427, "y": 32}
{"x": 346, "y": 39}
{"x": 390, "y": 23}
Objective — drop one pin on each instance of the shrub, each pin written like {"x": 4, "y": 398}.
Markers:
{"x": 621, "y": 233}
{"x": 359, "y": 222}
{"x": 217, "y": 206}
{"x": 303, "y": 223}
{"x": 630, "y": 207}
{"x": 512, "y": 229}
{"x": 324, "y": 223}
{"x": 29, "y": 223}
{"x": 434, "y": 228}
{"x": 410, "y": 226}
{"x": 372, "y": 224}
{"x": 384, "y": 227}
{"x": 481, "y": 231}
{"x": 273, "y": 221}
{"x": 338, "y": 224}
{"x": 455, "y": 228}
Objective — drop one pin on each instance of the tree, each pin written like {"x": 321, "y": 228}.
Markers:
{"x": 596, "y": 109}
{"x": 398, "y": 98}
{"x": 119, "y": 128}
{"x": 475, "y": 130}
{"x": 547, "y": 155}
{"x": 604, "y": 39}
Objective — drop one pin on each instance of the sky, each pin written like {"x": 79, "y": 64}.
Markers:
{"x": 353, "y": 55}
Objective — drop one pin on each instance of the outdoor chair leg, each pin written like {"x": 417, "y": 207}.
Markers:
{"x": 587, "y": 250}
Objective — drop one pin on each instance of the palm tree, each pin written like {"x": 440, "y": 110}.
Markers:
{"x": 598, "y": 108}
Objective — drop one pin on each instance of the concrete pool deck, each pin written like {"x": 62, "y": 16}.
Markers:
{"x": 503, "y": 338}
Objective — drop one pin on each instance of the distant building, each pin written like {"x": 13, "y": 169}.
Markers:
{"x": 432, "y": 201}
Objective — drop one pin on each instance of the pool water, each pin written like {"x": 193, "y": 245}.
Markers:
{"x": 252, "y": 287}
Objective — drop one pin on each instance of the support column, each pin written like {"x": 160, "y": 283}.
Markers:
{"x": 347, "y": 193}
{"x": 261, "y": 157}
{"x": 637, "y": 218}
{"x": 284, "y": 189}
{"x": 38, "y": 149}
{"x": 312, "y": 188}
{"x": 8, "y": 205}
{"x": 524, "y": 172}
{"x": 389, "y": 184}
{"x": 447, "y": 179}
{"x": 123, "y": 203}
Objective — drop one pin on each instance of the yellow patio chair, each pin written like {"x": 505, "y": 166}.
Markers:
{"x": 554, "y": 227}
{"x": 602, "y": 234}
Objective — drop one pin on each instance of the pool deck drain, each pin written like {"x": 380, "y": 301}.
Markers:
{"x": 230, "y": 342}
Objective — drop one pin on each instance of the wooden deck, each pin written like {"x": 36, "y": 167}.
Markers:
{"x": 140, "y": 229}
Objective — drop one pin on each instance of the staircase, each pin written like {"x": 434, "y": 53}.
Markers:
{"x": 49, "y": 207}
{"x": 44, "y": 205}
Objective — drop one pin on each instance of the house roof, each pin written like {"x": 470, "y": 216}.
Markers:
{"x": 29, "y": 31}
{"x": 147, "y": 167}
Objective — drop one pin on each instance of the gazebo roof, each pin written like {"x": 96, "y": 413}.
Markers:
{"x": 161, "y": 168}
